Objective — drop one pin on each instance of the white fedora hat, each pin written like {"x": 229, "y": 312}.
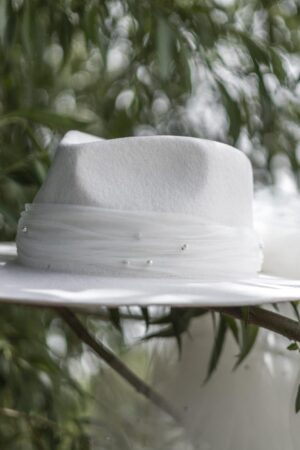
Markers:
{"x": 157, "y": 220}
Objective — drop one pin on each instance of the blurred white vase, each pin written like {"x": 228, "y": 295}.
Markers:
{"x": 251, "y": 408}
{"x": 246, "y": 409}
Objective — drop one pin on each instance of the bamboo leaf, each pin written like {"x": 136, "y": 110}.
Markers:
{"x": 214, "y": 321}
{"x": 179, "y": 320}
{"x": 257, "y": 50}
{"x": 146, "y": 316}
{"x": 295, "y": 305}
{"x": 233, "y": 111}
{"x": 164, "y": 48}
{"x": 50, "y": 119}
{"x": 293, "y": 346}
{"x": 297, "y": 402}
{"x": 217, "y": 347}
{"x": 114, "y": 315}
{"x": 278, "y": 66}
{"x": 165, "y": 332}
{"x": 233, "y": 327}
{"x": 249, "y": 335}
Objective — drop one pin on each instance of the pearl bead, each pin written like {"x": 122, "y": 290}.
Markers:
{"x": 150, "y": 262}
{"x": 24, "y": 229}
{"x": 183, "y": 247}
{"x": 125, "y": 262}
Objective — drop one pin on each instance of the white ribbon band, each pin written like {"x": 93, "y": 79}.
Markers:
{"x": 75, "y": 238}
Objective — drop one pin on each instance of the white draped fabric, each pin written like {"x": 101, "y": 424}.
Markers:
{"x": 135, "y": 243}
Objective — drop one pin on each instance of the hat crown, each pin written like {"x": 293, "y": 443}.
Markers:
{"x": 159, "y": 173}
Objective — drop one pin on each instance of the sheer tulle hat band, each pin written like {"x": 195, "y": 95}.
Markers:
{"x": 134, "y": 243}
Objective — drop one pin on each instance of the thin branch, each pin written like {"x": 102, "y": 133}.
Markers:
{"x": 270, "y": 320}
{"x": 116, "y": 364}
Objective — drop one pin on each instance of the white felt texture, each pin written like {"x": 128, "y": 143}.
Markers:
{"x": 157, "y": 173}
{"x": 78, "y": 137}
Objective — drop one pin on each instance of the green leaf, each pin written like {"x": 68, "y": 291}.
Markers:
{"x": 214, "y": 321}
{"x": 179, "y": 325}
{"x": 232, "y": 325}
{"x": 190, "y": 313}
{"x": 163, "y": 333}
{"x": 217, "y": 347}
{"x": 179, "y": 319}
{"x": 257, "y": 50}
{"x": 146, "y": 316}
{"x": 233, "y": 112}
{"x": 249, "y": 335}
{"x": 278, "y": 66}
{"x": 297, "y": 403}
{"x": 50, "y": 119}
{"x": 293, "y": 346}
{"x": 114, "y": 315}
{"x": 164, "y": 47}
{"x": 295, "y": 305}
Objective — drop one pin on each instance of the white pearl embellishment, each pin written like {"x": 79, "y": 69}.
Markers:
{"x": 24, "y": 229}
{"x": 150, "y": 262}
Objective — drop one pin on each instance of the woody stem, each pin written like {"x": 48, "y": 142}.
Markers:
{"x": 266, "y": 319}
{"x": 116, "y": 364}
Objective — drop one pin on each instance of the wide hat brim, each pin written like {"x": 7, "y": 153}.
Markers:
{"x": 23, "y": 285}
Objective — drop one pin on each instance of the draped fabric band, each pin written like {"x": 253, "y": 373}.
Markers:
{"x": 74, "y": 238}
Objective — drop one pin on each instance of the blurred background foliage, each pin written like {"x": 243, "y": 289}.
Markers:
{"x": 220, "y": 69}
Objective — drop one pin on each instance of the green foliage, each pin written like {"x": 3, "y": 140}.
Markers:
{"x": 293, "y": 346}
{"x": 244, "y": 334}
{"x": 218, "y": 346}
{"x": 42, "y": 405}
{"x": 119, "y": 68}
{"x": 248, "y": 338}
{"x": 295, "y": 310}
{"x": 178, "y": 321}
